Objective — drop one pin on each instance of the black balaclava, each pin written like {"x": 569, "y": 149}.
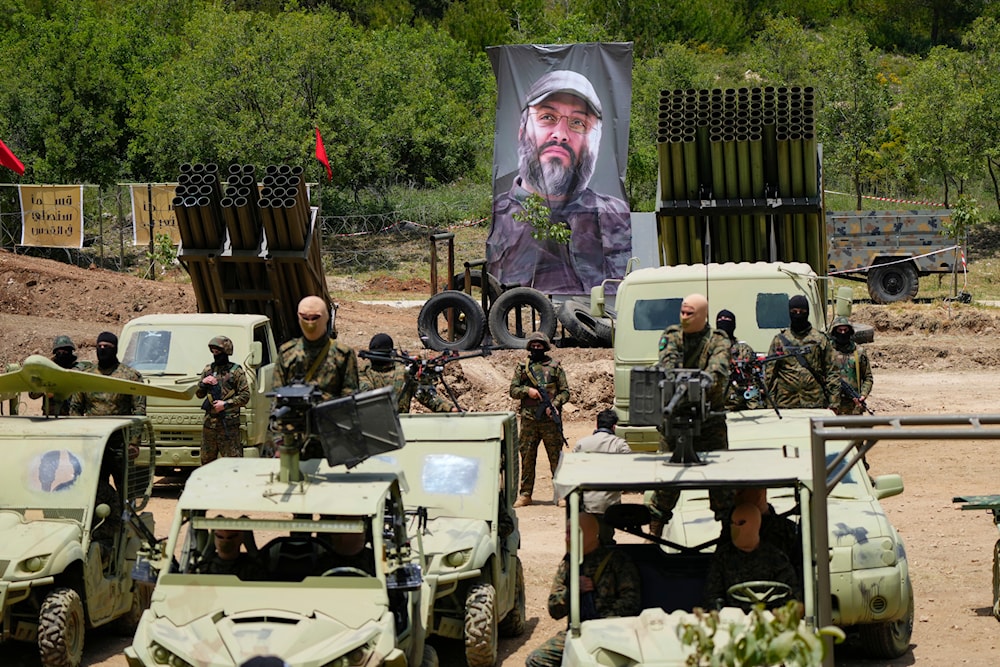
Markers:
{"x": 799, "y": 322}
{"x": 536, "y": 355}
{"x": 381, "y": 344}
{"x": 221, "y": 359}
{"x": 64, "y": 357}
{"x": 842, "y": 338}
{"x": 726, "y": 321}
{"x": 107, "y": 357}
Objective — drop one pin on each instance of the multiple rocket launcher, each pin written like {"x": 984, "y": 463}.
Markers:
{"x": 739, "y": 177}
{"x": 249, "y": 248}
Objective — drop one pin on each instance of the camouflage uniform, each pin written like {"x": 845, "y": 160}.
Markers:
{"x": 56, "y": 405}
{"x": 854, "y": 368}
{"x": 599, "y": 247}
{"x": 404, "y": 387}
{"x": 244, "y": 566}
{"x": 740, "y": 351}
{"x": 220, "y": 435}
{"x": 552, "y": 376}
{"x": 335, "y": 377}
{"x": 103, "y": 403}
{"x": 792, "y": 384}
{"x": 616, "y": 593}
{"x": 708, "y": 351}
{"x": 731, "y": 565}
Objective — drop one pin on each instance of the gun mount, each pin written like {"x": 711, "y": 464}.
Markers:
{"x": 344, "y": 431}
{"x": 675, "y": 401}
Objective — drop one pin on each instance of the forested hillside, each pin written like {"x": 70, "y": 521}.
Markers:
{"x": 103, "y": 92}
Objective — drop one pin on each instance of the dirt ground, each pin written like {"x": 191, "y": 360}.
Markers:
{"x": 928, "y": 359}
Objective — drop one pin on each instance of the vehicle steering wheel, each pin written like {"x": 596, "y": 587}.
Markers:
{"x": 761, "y": 591}
{"x": 345, "y": 570}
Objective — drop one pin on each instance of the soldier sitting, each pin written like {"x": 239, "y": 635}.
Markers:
{"x": 227, "y": 558}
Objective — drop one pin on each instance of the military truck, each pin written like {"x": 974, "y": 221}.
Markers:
{"x": 69, "y": 526}
{"x": 171, "y": 350}
{"x": 463, "y": 468}
{"x": 649, "y": 300}
{"x": 304, "y": 604}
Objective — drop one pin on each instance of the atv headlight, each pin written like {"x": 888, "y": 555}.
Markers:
{"x": 34, "y": 564}
{"x": 458, "y": 558}
{"x": 603, "y": 656}
{"x": 873, "y": 553}
{"x": 163, "y": 656}
{"x": 353, "y": 658}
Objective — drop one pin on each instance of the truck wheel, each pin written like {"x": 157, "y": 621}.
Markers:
{"x": 589, "y": 330}
{"x": 889, "y": 640}
{"x": 469, "y": 321}
{"x": 481, "y": 626}
{"x": 895, "y": 282}
{"x": 476, "y": 279}
{"x": 126, "y": 625}
{"x": 430, "y": 658}
{"x": 61, "y": 629}
{"x": 517, "y": 313}
{"x": 513, "y": 624}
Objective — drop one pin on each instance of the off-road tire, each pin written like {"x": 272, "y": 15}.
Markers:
{"x": 895, "y": 282}
{"x": 513, "y": 624}
{"x": 476, "y": 280}
{"x": 61, "y": 627}
{"x": 470, "y": 321}
{"x": 430, "y": 657}
{"x": 542, "y": 317}
{"x": 888, "y": 640}
{"x": 863, "y": 333}
{"x": 587, "y": 329}
{"x": 481, "y": 642}
{"x": 126, "y": 625}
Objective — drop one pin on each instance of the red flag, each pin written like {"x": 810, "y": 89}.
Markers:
{"x": 321, "y": 155}
{"x": 9, "y": 160}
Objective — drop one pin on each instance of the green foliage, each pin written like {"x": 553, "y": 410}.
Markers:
{"x": 164, "y": 253}
{"x": 769, "y": 638}
{"x": 965, "y": 216}
{"x": 537, "y": 214}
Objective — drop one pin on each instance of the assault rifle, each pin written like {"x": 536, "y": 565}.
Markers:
{"x": 547, "y": 407}
{"x": 846, "y": 388}
{"x": 426, "y": 372}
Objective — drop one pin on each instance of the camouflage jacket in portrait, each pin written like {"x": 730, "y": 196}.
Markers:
{"x": 739, "y": 352}
{"x": 856, "y": 371}
{"x": 793, "y": 385}
{"x": 708, "y": 351}
{"x": 235, "y": 389}
{"x": 404, "y": 387}
{"x": 730, "y": 565}
{"x": 616, "y": 586}
{"x": 335, "y": 376}
{"x": 547, "y": 373}
{"x": 103, "y": 403}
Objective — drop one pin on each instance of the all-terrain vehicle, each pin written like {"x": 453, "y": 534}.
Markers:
{"x": 69, "y": 526}
{"x": 333, "y": 562}
{"x": 463, "y": 468}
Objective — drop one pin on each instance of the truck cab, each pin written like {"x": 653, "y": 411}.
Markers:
{"x": 172, "y": 350}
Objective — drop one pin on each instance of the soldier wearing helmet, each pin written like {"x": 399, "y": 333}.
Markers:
{"x": 537, "y": 424}
{"x": 853, "y": 365}
{"x": 558, "y": 140}
{"x": 64, "y": 356}
{"x": 224, "y": 387}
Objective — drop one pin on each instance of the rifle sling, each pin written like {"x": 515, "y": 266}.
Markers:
{"x": 317, "y": 361}
{"x": 797, "y": 353}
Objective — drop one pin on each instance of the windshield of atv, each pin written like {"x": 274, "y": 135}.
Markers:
{"x": 175, "y": 351}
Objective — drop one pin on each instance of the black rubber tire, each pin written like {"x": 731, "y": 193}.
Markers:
{"x": 895, "y": 282}
{"x": 888, "y": 640}
{"x": 126, "y": 625}
{"x": 587, "y": 329}
{"x": 481, "y": 638}
{"x": 61, "y": 627}
{"x": 863, "y": 333}
{"x": 470, "y": 321}
{"x": 515, "y": 622}
{"x": 540, "y": 316}
{"x": 430, "y": 657}
{"x": 476, "y": 278}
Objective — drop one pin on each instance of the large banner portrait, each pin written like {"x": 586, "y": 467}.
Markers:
{"x": 51, "y": 215}
{"x": 160, "y": 211}
{"x": 559, "y": 156}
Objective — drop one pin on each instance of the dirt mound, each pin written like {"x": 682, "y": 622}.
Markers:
{"x": 929, "y": 318}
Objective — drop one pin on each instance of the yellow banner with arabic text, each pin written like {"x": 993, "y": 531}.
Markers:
{"x": 160, "y": 214}
{"x": 51, "y": 215}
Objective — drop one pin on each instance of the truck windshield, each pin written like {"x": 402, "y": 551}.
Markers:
{"x": 770, "y": 312}
{"x": 174, "y": 351}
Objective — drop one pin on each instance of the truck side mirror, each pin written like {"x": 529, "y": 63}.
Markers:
{"x": 843, "y": 302}
{"x": 256, "y": 354}
{"x": 597, "y": 300}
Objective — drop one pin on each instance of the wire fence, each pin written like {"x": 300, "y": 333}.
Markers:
{"x": 351, "y": 243}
